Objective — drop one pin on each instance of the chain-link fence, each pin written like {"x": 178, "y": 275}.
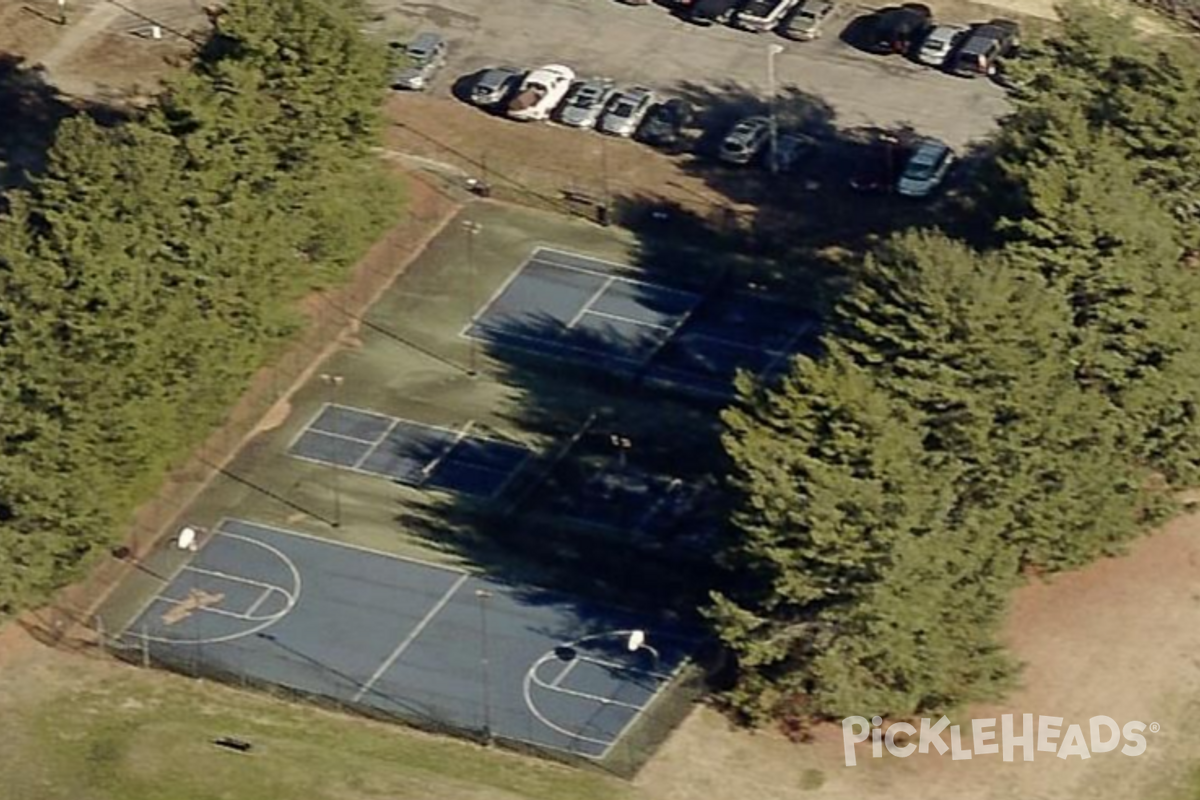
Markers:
{"x": 312, "y": 682}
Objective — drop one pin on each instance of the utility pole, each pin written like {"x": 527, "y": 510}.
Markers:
{"x": 472, "y": 229}
{"x": 334, "y": 382}
{"x": 772, "y": 51}
{"x": 623, "y": 444}
{"x": 483, "y": 595}
{"x": 62, "y": 12}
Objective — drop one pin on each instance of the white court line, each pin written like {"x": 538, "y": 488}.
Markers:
{"x": 262, "y": 598}
{"x": 619, "y": 318}
{"x": 375, "y": 446}
{"x": 428, "y": 469}
{"x": 591, "y": 301}
{"x": 786, "y": 352}
{"x": 533, "y": 259}
{"x": 491, "y": 301}
{"x": 333, "y": 543}
{"x": 397, "y": 421}
{"x": 408, "y": 640}
{"x": 560, "y": 677}
{"x": 232, "y": 578}
{"x": 623, "y": 667}
{"x": 657, "y": 287}
{"x": 290, "y": 597}
{"x": 238, "y": 615}
{"x": 542, "y": 248}
{"x": 545, "y": 347}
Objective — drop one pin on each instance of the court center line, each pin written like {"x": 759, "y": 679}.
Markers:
{"x": 560, "y": 677}
{"x": 408, "y": 640}
{"x": 428, "y": 469}
{"x": 262, "y": 598}
{"x": 342, "y": 436}
{"x": 591, "y": 301}
{"x": 375, "y": 445}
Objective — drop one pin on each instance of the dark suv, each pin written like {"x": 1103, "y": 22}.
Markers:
{"x": 984, "y": 47}
{"x": 900, "y": 30}
{"x": 706, "y": 12}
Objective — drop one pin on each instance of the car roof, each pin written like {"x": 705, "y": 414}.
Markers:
{"x": 425, "y": 41}
{"x": 814, "y": 6}
{"x": 946, "y": 31}
{"x": 930, "y": 149}
{"x": 634, "y": 93}
{"x": 553, "y": 71}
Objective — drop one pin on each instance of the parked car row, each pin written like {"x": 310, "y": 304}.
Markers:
{"x": 554, "y": 93}
{"x": 965, "y": 50}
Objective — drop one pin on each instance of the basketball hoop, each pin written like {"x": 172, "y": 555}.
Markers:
{"x": 636, "y": 640}
{"x": 187, "y": 539}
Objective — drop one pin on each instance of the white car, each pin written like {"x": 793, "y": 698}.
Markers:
{"x": 925, "y": 168}
{"x": 540, "y": 93}
{"x": 939, "y": 43}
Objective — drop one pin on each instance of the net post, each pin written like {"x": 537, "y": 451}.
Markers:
{"x": 145, "y": 647}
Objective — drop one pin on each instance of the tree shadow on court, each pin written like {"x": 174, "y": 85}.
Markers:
{"x": 800, "y": 236}
{"x": 624, "y": 506}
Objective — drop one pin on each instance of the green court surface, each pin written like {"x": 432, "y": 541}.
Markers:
{"x": 415, "y": 440}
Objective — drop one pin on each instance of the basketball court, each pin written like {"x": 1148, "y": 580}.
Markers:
{"x": 432, "y": 644}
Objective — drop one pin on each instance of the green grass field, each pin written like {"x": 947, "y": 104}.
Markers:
{"x": 82, "y": 729}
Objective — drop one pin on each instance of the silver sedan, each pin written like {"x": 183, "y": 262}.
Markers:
{"x": 626, "y": 111}
{"x": 586, "y": 102}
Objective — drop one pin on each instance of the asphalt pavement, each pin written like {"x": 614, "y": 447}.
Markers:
{"x": 719, "y": 66}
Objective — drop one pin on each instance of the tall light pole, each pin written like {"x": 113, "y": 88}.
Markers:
{"x": 483, "y": 595}
{"x": 623, "y": 444}
{"x": 471, "y": 229}
{"x": 334, "y": 382}
{"x": 772, "y": 51}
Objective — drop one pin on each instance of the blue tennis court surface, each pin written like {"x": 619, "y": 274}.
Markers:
{"x": 424, "y": 642}
{"x": 409, "y": 452}
{"x": 570, "y": 306}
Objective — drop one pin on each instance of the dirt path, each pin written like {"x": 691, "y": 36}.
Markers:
{"x": 1121, "y": 639}
{"x": 79, "y": 31}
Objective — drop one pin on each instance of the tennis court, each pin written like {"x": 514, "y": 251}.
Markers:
{"x": 409, "y": 452}
{"x": 570, "y": 306}
{"x": 428, "y": 643}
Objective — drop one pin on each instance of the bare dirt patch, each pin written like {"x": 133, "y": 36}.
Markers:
{"x": 538, "y": 162}
{"x": 1120, "y": 639}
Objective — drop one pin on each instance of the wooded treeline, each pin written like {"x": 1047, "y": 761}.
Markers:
{"x": 151, "y": 268}
{"x": 981, "y": 414}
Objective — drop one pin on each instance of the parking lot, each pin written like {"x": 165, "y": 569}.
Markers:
{"x": 650, "y": 46}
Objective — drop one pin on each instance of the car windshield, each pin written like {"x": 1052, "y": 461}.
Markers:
{"x": 806, "y": 16}
{"x": 924, "y": 163}
{"x": 623, "y": 109}
{"x": 587, "y": 97}
{"x": 936, "y": 45}
{"x": 419, "y": 54}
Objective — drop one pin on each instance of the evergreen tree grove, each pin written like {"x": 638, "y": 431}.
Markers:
{"x": 166, "y": 253}
{"x": 978, "y": 416}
